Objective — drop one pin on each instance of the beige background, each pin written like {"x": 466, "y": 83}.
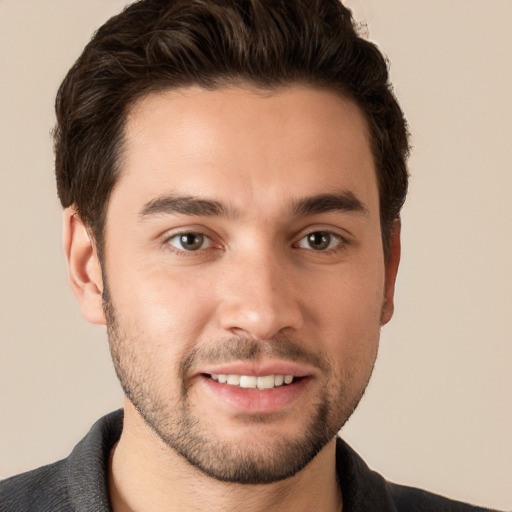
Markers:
{"x": 438, "y": 412}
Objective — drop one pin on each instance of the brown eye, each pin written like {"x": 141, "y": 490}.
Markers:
{"x": 320, "y": 241}
{"x": 190, "y": 241}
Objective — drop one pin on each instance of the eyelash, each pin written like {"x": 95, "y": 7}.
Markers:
{"x": 178, "y": 236}
{"x": 340, "y": 242}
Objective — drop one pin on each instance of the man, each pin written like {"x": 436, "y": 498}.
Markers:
{"x": 232, "y": 175}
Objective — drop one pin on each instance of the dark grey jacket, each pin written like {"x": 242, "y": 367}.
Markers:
{"x": 79, "y": 482}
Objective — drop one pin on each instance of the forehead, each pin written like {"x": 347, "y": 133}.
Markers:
{"x": 246, "y": 146}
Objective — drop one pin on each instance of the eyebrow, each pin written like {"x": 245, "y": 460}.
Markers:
{"x": 188, "y": 205}
{"x": 185, "y": 205}
{"x": 323, "y": 203}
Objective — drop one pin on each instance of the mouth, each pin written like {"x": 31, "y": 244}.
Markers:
{"x": 256, "y": 387}
{"x": 260, "y": 382}
{"x": 254, "y": 394}
{"x": 254, "y": 390}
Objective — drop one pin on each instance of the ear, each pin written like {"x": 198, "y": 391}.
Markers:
{"x": 84, "y": 267}
{"x": 391, "y": 270}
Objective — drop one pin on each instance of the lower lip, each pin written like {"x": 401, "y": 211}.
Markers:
{"x": 256, "y": 401}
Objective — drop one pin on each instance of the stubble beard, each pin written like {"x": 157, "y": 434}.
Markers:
{"x": 175, "y": 423}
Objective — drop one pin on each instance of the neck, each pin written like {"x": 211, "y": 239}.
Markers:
{"x": 146, "y": 475}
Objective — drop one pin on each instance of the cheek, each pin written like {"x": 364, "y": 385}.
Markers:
{"x": 348, "y": 316}
{"x": 352, "y": 297}
{"x": 166, "y": 313}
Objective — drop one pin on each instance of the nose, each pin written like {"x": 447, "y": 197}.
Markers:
{"x": 260, "y": 298}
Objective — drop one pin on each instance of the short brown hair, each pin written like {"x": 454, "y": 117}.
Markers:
{"x": 164, "y": 44}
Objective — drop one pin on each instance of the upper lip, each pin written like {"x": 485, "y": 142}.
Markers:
{"x": 259, "y": 369}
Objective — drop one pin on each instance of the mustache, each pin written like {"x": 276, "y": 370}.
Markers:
{"x": 243, "y": 349}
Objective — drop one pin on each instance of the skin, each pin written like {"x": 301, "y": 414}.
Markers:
{"x": 258, "y": 281}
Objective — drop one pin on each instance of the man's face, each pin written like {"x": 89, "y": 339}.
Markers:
{"x": 243, "y": 244}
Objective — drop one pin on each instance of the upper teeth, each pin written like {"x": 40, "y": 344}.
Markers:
{"x": 251, "y": 381}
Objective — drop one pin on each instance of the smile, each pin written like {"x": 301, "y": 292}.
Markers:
{"x": 252, "y": 381}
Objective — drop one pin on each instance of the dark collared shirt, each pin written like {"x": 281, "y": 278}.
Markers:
{"x": 79, "y": 482}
